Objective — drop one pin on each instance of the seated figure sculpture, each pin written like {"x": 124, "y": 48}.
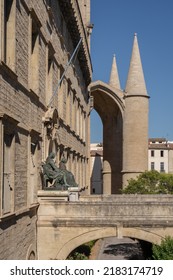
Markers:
{"x": 61, "y": 178}
{"x": 69, "y": 175}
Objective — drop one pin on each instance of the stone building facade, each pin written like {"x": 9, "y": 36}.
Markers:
{"x": 160, "y": 155}
{"x": 37, "y": 113}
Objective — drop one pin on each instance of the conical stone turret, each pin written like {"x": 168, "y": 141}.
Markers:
{"x": 135, "y": 82}
{"x": 135, "y": 128}
{"x": 114, "y": 81}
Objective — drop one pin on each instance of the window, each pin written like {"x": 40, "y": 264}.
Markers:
{"x": 84, "y": 128}
{"x": 73, "y": 111}
{"x": 68, "y": 104}
{"x": 49, "y": 75}
{"x": 8, "y": 173}
{"x": 34, "y": 52}
{"x": 33, "y": 167}
{"x": 152, "y": 153}
{"x": 9, "y": 33}
{"x": 162, "y": 168}
{"x": 62, "y": 25}
{"x": 7, "y": 164}
{"x": 161, "y": 153}
{"x": 34, "y": 58}
{"x": 61, "y": 93}
{"x": 77, "y": 118}
{"x": 152, "y": 166}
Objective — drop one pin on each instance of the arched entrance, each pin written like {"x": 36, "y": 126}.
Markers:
{"x": 110, "y": 107}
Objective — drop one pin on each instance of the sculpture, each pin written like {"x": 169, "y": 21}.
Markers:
{"x": 69, "y": 175}
{"x": 61, "y": 178}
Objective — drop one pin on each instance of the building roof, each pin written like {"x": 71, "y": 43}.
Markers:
{"x": 95, "y": 153}
{"x": 159, "y": 140}
{"x": 161, "y": 146}
{"x": 96, "y": 149}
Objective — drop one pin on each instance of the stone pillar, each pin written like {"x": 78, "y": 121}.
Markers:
{"x": 135, "y": 132}
{"x": 106, "y": 177}
{"x": 108, "y": 148}
{"x": 112, "y": 153}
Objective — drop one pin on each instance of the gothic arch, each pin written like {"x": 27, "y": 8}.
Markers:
{"x": 102, "y": 91}
{"x": 109, "y": 104}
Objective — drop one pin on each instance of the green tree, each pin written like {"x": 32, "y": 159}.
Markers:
{"x": 82, "y": 252}
{"x": 77, "y": 256}
{"x": 164, "y": 251}
{"x": 150, "y": 182}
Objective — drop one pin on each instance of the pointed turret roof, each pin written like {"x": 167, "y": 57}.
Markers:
{"x": 114, "y": 81}
{"x": 135, "y": 82}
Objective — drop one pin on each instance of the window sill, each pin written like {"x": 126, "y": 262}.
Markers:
{"x": 17, "y": 213}
{"x": 8, "y": 70}
{"x": 34, "y": 94}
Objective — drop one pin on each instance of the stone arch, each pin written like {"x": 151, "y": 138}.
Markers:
{"x": 31, "y": 253}
{"x": 110, "y": 107}
{"x": 84, "y": 237}
{"x": 153, "y": 236}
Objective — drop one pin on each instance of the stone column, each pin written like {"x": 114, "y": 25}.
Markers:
{"x": 107, "y": 155}
{"x": 135, "y": 144}
{"x": 106, "y": 177}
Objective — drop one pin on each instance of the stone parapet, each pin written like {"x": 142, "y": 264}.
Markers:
{"x": 129, "y": 198}
{"x": 129, "y": 210}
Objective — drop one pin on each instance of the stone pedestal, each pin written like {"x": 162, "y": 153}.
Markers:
{"x": 72, "y": 194}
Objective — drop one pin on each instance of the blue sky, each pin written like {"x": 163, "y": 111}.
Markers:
{"x": 115, "y": 22}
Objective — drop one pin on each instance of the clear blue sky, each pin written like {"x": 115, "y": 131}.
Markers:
{"x": 115, "y": 22}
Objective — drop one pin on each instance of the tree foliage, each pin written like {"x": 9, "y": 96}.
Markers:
{"x": 150, "y": 182}
{"x": 164, "y": 251}
{"x": 77, "y": 256}
{"x": 82, "y": 252}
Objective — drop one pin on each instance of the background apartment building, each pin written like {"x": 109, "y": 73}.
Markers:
{"x": 160, "y": 155}
{"x": 160, "y": 158}
{"x": 37, "y": 41}
{"x": 96, "y": 167}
